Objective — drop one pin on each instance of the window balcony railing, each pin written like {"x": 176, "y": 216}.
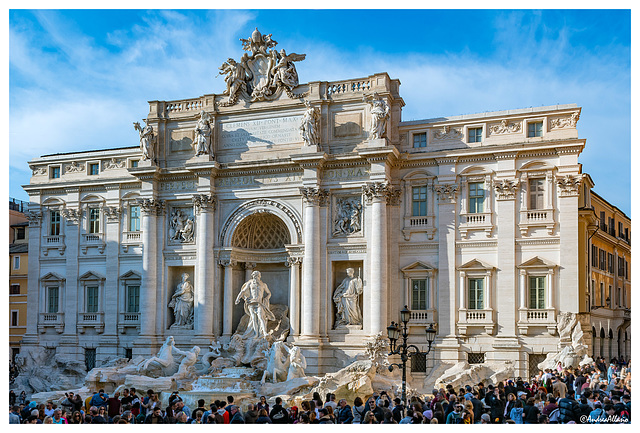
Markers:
{"x": 476, "y": 318}
{"x": 475, "y": 221}
{"x": 537, "y": 317}
{"x": 91, "y": 320}
{"x": 92, "y": 240}
{"x": 419, "y": 224}
{"x": 537, "y": 218}
{"x": 51, "y": 320}
{"x": 421, "y": 317}
{"x": 128, "y": 320}
{"x": 53, "y": 242}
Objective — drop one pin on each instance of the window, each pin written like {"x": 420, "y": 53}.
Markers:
{"x": 603, "y": 225}
{"x": 419, "y": 292}
{"x": 620, "y": 266}
{"x": 133, "y": 299}
{"x": 14, "y": 318}
{"x": 54, "y": 223}
{"x": 94, "y": 220}
{"x": 418, "y": 363}
{"x": 134, "y": 218}
{"x": 128, "y": 353}
{"x": 419, "y": 201}
{"x": 601, "y": 294}
{"x": 536, "y": 293}
{"x": 620, "y": 230}
{"x": 420, "y": 139}
{"x": 534, "y": 129}
{"x": 89, "y": 358}
{"x": 94, "y": 169}
{"x": 612, "y": 226}
{"x": 16, "y": 262}
{"x": 609, "y": 297}
{"x": 476, "y": 293}
{"x": 20, "y": 233}
{"x": 594, "y": 256}
{"x": 593, "y": 293}
{"x": 475, "y": 358}
{"x": 610, "y": 263}
{"x": 603, "y": 260}
{"x": 134, "y": 163}
{"x": 536, "y": 194}
{"x": 53, "y": 294}
{"x": 475, "y": 135}
{"x": 476, "y": 197}
{"x": 92, "y": 299}
{"x": 55, "y": 172}
{"x": 15, "y": 289}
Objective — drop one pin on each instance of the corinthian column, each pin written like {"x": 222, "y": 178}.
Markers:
{"x": 150, "y": 208}
{"x": 203, "y": 302}
{"x": 294, "y": 294}
{"x": 377, "y": 194}
{"x": 313, "y": 198}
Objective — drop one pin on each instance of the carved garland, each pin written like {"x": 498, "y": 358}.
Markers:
{"x": 506, "y": 188}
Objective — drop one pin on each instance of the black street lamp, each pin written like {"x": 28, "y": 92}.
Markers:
{"x": 406, "y": 350}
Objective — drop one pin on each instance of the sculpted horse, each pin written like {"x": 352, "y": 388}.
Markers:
{"x": 277, "y": 363}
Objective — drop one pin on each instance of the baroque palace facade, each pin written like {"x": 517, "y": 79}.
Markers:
{"x": 471, "y": 221}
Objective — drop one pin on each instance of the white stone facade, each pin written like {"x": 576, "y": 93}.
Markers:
{"x": 463, "y": 217}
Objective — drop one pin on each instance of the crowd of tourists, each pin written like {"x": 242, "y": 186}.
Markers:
{"x": 598, "y": 393}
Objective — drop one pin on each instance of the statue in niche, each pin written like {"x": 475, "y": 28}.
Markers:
{"x": 348, "y": 215}
{"x": 310, "y": 125}
{"x": 256, "y": 295}
{"x": 181, "y": 227}
{"x": 347, "y": 300}
{"x": 147, "y": 140}
{"x": 379, "y": 115}
{"x": 203, "y": 134}
{"x": 182, "y": 304}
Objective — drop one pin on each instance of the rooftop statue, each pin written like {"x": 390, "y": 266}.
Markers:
{"x": 379, "y": 115}
{"x": 147, "y": 140}
{"x": 203, "y": 134}
{"x": 261, "y": 75}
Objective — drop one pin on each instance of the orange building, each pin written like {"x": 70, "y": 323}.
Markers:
{"x": 18, "y": 268}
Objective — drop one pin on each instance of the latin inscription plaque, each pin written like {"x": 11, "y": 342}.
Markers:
{"x": 278, "y": 130}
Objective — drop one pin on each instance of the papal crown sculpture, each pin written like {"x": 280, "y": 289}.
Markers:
{"x": 263, "y": 75}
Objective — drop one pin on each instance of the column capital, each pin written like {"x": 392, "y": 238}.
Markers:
{"x": 446, "y": 191}
{"x": 249, "y": 266}
{"x": 381, "y": 191}
{"x": 34, "y": 217}
{"x": 227, "y": 262}
{"x": 314, "y": 196}
{"x": 151, "y": 206}
{"x": 506, "y": 188}
{"x": 71, "y": 215}
{"x": 204, "y": 203}
{"x": 293, "y": 261}
{"x": 113, "y": 213}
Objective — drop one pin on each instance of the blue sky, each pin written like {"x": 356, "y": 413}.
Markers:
{"x": 78, "y": 79}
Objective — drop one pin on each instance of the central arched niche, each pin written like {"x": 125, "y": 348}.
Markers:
{"x": 261, "y": 236}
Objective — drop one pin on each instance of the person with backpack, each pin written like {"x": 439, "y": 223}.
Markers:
{"x": 569, "y": 410}
{"x": 358, "y": 410}
{"x": 279, "y": 414}
{"x": 398, "y": 410}
{"x": 516, "y": 413}
{"x": 455, "y": 417}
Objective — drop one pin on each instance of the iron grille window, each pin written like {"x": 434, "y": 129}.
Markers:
{"x": 89, "y": 359}
{"x": 418, "y": 363}
{"x": 420, "y": 140}
{"x": 128, "y": 353}
{"x": 476, "y": 197}
{"x": 475, "y": 357}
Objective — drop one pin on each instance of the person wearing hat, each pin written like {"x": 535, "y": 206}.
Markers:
{"x": 398, "y": 410}
{"x": 485, "y": 419}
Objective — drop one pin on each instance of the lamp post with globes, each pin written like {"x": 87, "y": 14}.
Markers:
{"x": 406, "y": 350}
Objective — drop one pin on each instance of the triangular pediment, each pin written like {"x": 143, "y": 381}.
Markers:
{"x": 130, "y": 275}
{"x": 476, "y": 264}
{"x": 91, "y": 276}
{"x": 537, "y": 262}
{"x": 52, "y": 276}
{"x": 418, "y": 267}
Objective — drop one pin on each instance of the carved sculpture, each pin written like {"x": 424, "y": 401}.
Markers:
{"x": 113, "y": 164}
{"x": 379, "y": 115}
{"x": 572, "y": 350}
{"x": 213, "y": 353}
{"x": 310, "y": 125}
{"x": 569, "y": 185}
{"x": 256, "y": 294}
{"x": 181, "y": 226}
{"x": 347, "y": 300}
{"x": 505, "y": 127}
{"x": 506, "y": 188}
{"x": 263, "y": 75}
{"x": 348, "y": 216}
{"x": 186, "y": 368}
{"x": 147, "y": 140}
{"x": 447, "y": 133}
{"x": 203, "y": 134}
{"x": 277, "y": 357}
{"x": 163, "y": 361}
{"x": 182, "y": 304}
{"x": 297, "y": 363}
{"x": 74, "y": 167}
{"x": 565, "y": 122}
